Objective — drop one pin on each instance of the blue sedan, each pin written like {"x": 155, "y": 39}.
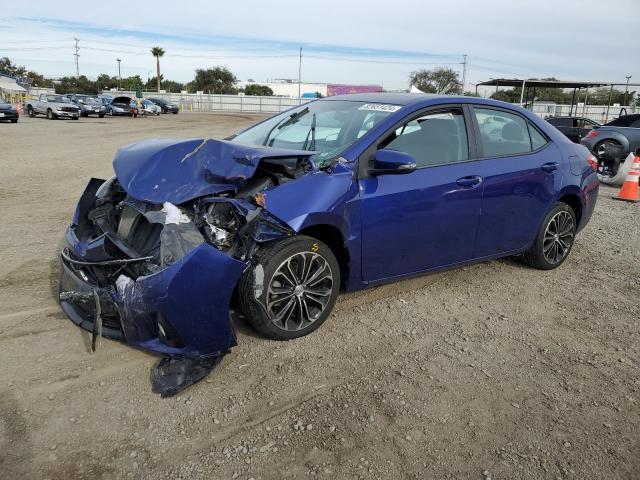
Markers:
{"x": 339, "y": 194}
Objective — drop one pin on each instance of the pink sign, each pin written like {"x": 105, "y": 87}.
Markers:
{"x": 336, "y": 89}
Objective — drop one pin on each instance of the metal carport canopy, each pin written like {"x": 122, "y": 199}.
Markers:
{"x": 516, "y": 82}
{"x": 9, "y": 84}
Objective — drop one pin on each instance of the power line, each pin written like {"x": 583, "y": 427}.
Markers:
{"x": 357, "y": 60}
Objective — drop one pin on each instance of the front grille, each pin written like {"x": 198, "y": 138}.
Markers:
{"x": 69, "y": 109}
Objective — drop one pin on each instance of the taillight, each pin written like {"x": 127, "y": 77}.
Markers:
{"x": 593, "y": 161}
{"x": 592, "y": 134}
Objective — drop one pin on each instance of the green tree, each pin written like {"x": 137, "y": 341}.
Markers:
{"x": 157, "y": 52}
{"x": 168, "y": 85}
{"x": 438, "y": 80}
{"x": 218, "y": 80}
{"x": 260, "y": 90}
{"x": 79, "y": 84}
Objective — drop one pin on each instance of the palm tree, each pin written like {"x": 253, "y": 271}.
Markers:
{"x": 157, "y": 52}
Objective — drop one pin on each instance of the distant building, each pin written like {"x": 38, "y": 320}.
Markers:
{"x": 283, "y": 87}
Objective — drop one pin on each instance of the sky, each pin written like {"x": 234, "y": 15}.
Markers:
{"x": 342, "y": 41}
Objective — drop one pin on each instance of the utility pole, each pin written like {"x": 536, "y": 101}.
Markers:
{"x": 77, "y": 55}
{"x": 464, "y": 71}
{"x": 626, "y": 90}
{"x": 119, "y": 76}
{"x": 299, "y": 74}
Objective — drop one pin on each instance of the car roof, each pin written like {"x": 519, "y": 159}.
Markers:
{"x": 406, "y": 99}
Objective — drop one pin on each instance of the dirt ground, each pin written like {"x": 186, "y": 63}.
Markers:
{"x": 489, "y": 371}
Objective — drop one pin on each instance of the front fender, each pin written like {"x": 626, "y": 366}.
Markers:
{"x": 317, "y": 198}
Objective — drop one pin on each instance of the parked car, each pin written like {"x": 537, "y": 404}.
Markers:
{"x": 88, "y": 105}
{"x": 150, "y": 108}
{"x": 165, "y": 105}
{"x": 344, "y": 193}
{"x": 573, "y": 127}
{"x": 120, "y": 106}
{"x": 8, "y": 112}
{"x": 53, "y": 106}
{"x": 612, "y": 142}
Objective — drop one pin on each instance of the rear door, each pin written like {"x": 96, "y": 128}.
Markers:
{"x": 428, "y": 218}
{"x": 522, "y": 174}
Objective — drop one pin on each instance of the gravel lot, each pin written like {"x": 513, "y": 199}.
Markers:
{"x": 489, "y": 371}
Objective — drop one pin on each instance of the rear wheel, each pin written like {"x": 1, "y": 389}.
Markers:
{"x": 291, "y": 287}
{"x": 554, "y": 240}
{"x": 101, "y": 115}
{"x": 30, "y": 111}
{"x": 600, "y": 149}
{"x": 14, "y": 120}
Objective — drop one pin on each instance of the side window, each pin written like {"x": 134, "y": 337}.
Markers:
{"x": 537, "y": 139}
{"x": 635, "y": 124}
{"x": 433, "y": 139}
{"x": 503, "y": 133}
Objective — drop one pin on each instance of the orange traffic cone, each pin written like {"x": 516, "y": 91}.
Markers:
{"x": 630, "y": 188}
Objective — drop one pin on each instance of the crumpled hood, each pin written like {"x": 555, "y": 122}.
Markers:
{"x": 178, "y": 170}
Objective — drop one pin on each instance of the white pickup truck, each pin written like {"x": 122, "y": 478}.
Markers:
{"x": 53, "y": 106}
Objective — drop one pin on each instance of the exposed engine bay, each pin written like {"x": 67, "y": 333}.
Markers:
{"x": 158, "y": 235}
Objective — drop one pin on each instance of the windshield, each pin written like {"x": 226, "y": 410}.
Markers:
{"x": 2, "y": 100}
{"x": 58, "y": 98}
{"x": 327, "y": 127}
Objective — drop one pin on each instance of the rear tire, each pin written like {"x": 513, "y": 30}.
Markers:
{"x": 600, "y": 149}
{"x": 554, "y": 239}
{"x": 15, "y": 120}
{"x": 30, "y": 111}
{"x": 290, "y": 288}
{"x": 101, "y": 115}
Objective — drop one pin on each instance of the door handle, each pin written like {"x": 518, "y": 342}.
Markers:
{"x": 470, "y": 181}
{"x": 550, "y": 167}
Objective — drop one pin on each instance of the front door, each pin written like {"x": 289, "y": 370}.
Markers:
{"x": 428, "y": 218}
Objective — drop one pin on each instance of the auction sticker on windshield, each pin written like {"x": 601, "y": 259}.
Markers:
{"x": 380, "y": 107}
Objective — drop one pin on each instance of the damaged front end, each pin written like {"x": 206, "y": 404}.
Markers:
{"x": 159, "y": 277}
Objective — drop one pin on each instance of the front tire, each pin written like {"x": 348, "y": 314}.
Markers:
{"x": 554, "y": 240}
{"x": 50, "y": 114}
{"x": 290, "y": 288}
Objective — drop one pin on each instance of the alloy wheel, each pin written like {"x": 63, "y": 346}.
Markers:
{"x": 299, "y": 291}
{"x": 558, "y": 237}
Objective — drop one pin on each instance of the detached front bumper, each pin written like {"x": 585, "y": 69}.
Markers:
{"x": 179, "y": 311}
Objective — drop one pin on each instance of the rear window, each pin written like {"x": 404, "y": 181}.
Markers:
{"x": 561, "y": 122}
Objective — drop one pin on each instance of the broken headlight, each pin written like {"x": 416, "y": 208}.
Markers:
{"x": 221, "y": 224}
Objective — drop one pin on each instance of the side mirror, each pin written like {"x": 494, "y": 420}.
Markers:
{"x": 392, "y": 162}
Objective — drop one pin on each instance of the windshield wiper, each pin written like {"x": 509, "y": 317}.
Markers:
{"x": 291, "y": 119}
{"x": 312, "y": 132}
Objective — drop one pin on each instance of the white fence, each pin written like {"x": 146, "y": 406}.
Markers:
{"x": 192, "y": 102}
{"x": 597, "y": 113}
